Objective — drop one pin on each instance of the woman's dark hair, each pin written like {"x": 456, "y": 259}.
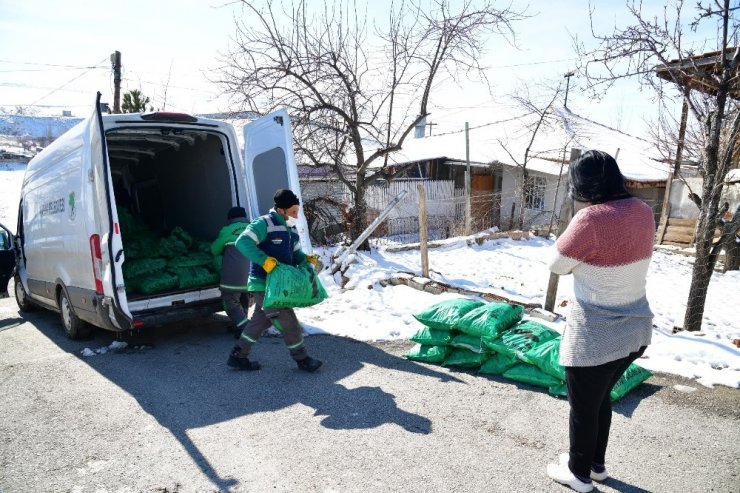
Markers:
{"x": 595, "y": 178}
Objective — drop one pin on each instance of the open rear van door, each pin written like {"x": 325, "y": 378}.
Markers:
{"x": 106, "y": 247}
{"x": 270, "y": 165}
{"x": 7, "y": 259}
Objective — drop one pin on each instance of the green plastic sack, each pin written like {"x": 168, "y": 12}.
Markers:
{"x": 631, "y": 378}
{"x": 559, "y": 389}
{"x": 177, "y": 243}
{"x": 145, "y": 244}
{"x": 432, "y": 337}
{"x": 156, "y": 283}
{"x": 498, "y": 364}
{"x": 530, "y": 374}
{"x": 194, "y": 277}
{"x": 445, "y": 314}
{"x": 546, "y": 357}
{"x": 194, "y": 259}
{"x": 293, "y": 287}
{"x": 130, "y": 225}
{"x": 465, "y": 358}
{"x": 202, "y": 246}
{"x": 143, "y": 266}
{"x": 428, "y": 354}
{"x": 471, "y": 343}
{"x": 490, "y": 319}
{"x": 521, "y": 338}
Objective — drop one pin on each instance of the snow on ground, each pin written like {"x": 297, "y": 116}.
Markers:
{"x": 515, "y": 269}
{"x": 518, "y": 270}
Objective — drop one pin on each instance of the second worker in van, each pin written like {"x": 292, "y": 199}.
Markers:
{"x": 267, "y": 241}
{"x": 234, "y": 269}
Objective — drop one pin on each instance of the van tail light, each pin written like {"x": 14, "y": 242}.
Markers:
{"x": 168, "y": 116}
{"x": 97, "y": 262}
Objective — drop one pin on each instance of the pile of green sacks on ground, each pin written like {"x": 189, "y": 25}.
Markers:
{"x": 493, "y": 338}
{"x": 156, "y": 263}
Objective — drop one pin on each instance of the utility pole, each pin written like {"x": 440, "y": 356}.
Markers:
{"x": 567, "y": 86}
{"x": 115, "y": 60}
{"x": 566, "y": 213}
{"x": 430, "y": 125}
{"x": 468, "y": 193}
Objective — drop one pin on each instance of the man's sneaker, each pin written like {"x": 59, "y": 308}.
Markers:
{"x": 309, "y": 364}
{"x": 562, "y": 474}
{"x": 601, "y": 476}
{"x": 241, "y": 362}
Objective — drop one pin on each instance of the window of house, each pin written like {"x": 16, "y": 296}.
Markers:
{"x": 534, "y": 193}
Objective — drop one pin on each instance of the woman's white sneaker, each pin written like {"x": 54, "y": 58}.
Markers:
{"x": 596, "y": 476}
{"x": 561, "y": 473}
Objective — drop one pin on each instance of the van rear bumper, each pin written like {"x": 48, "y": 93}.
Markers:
{"x": 165, "y": 315}
{"x": 154, "y": 316}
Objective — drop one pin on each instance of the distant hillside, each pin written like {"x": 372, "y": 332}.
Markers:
{"x": 36, "y": 127}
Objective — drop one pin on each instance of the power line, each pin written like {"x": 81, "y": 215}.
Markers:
{"x": 169, "y": 86}
{"x": 79, "y": 67}
{"x": 70, "y": 81}
{"x": 45, "y": 70}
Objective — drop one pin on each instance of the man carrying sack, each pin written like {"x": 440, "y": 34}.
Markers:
{"x": 267, "y": 241}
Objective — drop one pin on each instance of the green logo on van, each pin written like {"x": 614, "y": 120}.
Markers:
{"x": 72, "y": 208}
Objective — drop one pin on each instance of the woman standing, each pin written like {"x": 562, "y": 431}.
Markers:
{"x": 607, "y": 247}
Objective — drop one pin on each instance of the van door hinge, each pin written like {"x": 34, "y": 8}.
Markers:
{"x": 90, "y": 176}
{"x": 278, "y": 120}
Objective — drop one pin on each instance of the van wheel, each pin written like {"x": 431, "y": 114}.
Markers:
{"x": 75, "y": 328}
{"x": 21, "y": 298}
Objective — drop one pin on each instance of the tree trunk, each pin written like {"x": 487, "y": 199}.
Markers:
{"x": 704, "y": 261}
{"x": 522, "y": 202}
{"x": 700, "y": 277}
{"x": 358, "y": 214}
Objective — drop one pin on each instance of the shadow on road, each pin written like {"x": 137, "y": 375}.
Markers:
{"x": 179, "y": 377}
{"x": 623, "y": 487}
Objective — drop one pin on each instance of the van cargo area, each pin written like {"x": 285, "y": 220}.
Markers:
{"x": 173, "y": 188}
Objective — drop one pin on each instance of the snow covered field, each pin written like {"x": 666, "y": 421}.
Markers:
{"x": 367, "y": 311}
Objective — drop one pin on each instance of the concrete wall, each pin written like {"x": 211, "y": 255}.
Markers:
{"x": 511, "y": 191}
{"x": 684, "y": 208}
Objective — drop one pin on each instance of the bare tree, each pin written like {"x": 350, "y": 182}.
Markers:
{"x": 355, "y": 95}
{"x": 544, "y": 117}
{"x": 660, "y": 42}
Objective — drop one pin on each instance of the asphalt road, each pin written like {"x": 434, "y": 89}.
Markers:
{"x": 170, "y": 417}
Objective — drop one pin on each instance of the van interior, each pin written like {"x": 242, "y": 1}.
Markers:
{"x": 173, "y": 188}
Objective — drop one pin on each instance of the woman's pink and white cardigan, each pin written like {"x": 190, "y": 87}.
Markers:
{"x": 607, "y": 247}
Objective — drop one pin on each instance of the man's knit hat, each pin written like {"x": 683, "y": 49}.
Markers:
{"x": 235, "y": 212}
{"x": 285, "y": 199}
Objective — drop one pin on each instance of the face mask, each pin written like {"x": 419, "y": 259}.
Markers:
{"x": 291, "y": 221}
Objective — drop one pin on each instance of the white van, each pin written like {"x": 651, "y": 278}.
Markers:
{"x": 168, "y": 171}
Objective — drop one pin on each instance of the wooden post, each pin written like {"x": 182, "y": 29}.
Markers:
{"x": 468, "y": 188}
{"x": 115, "y": 59}
{"x": 566, "y": 212}
{"x": 665, "y": 212}
{"x": 423, "y": 246}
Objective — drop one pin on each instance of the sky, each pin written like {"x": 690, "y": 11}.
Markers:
{"x": 365, "y": 311}
{"x": 54, "y": 56}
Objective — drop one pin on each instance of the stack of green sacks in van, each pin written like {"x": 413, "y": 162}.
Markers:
{"x": 157, "y": 264}
{"x": 493, "y": 338}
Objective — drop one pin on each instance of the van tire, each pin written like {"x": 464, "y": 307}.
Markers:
{"x": 21, "y": 297}
{"x": 75, "y": 328}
